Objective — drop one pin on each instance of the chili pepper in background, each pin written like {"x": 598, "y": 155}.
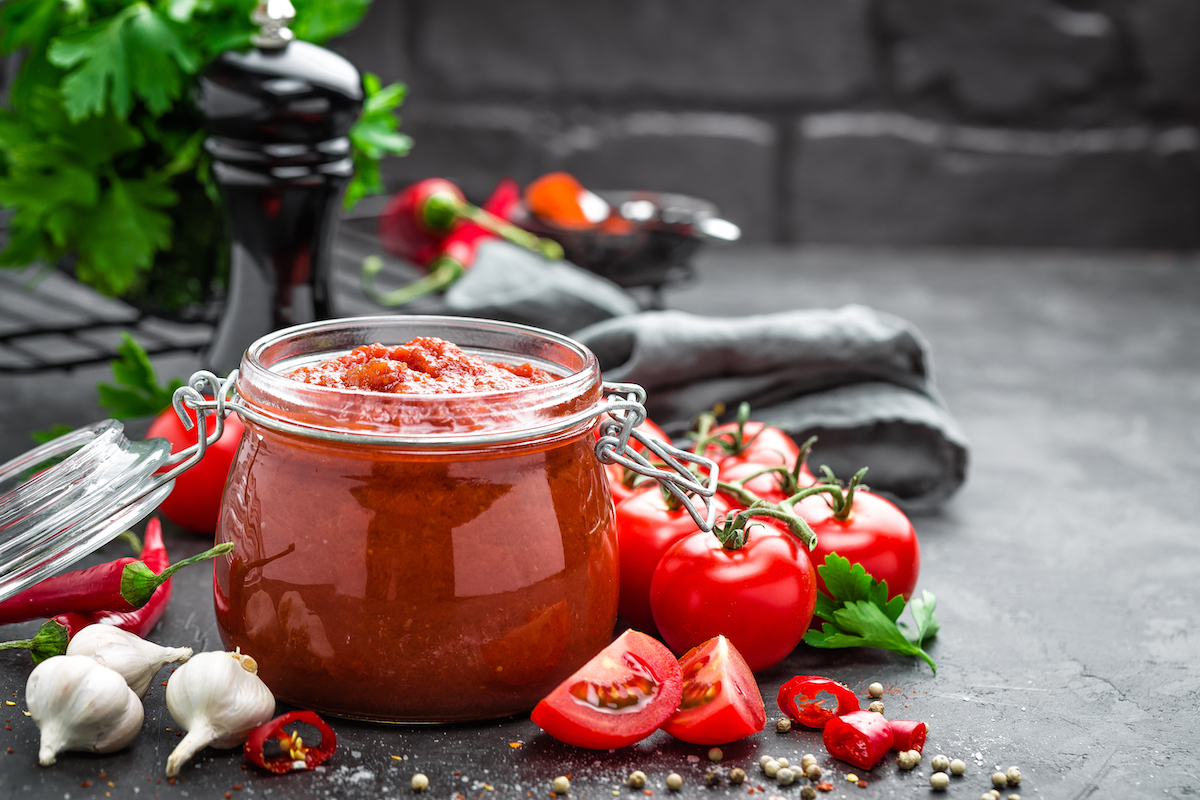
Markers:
{"x": 860, "y": 737}
{"x": 296, "y": 754}
{"x": 125, "y": 584}
{"x": 559, "y": 199}
{"x": 54, "y": 635}
{"x": 798, "y": 700}
{"x": 456, "y": 248}
{"x": 908, "y": 735}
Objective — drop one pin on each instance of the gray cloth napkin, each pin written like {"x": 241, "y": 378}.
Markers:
{"x": 514, "y": 285}
{"x": 856, "y": 378}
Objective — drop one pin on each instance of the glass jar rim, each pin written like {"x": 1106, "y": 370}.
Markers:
{"x": 434, "y": 420}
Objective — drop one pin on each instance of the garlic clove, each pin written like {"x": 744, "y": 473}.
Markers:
{"x": 136, "y": 659}
{"x": 218, "y": 699}
{"x": 79, "y": 704}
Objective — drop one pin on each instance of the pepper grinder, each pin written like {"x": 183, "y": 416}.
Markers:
{"x": 278, "y": 115}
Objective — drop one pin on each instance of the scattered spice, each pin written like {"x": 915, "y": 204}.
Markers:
{"x": 561, "y": 785}
{"x": 999, "y": 780}
{"x": 674, "y": 781}
{"x": 785, "y": 776}
{"x": 958, "y": 766}
{"x": 771, "y": 768}
{"x": 825, "y": 786}
{"x": 907, "y": 759}
{"x": 715, "y": 754}
{"x": 783, "y": 725}
{"x": 876, "y": 706}
{"x": 85, "y": 784}
{"x": 737, "y": 776}
{"x": 862, "y": 784}
{"x": 808, "y": 793}
{"x": 636, "y": 779}
{"x": 813, "y": 773}
{"x": 852, "y": 778}
{"x": 1013, "y": 776}
{"x": 939, "y": 781}
{"x": 875, "y": 689}
{"x": 515, "y": 745}
{"x": 712, "y": 778}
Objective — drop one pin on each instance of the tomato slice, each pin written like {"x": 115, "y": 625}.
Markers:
{"x": 860, "y": 737}
{"x": 908, "y": 734}
{"x": 621, "y": 696}
{"x": 721, "y": 702}
{"x": 799, "y": 700}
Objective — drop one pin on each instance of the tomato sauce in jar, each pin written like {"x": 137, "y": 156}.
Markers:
{"x": 417, "y": 556}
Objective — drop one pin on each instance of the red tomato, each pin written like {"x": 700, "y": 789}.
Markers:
{"x": 877, "y": 535}
{"x": 761, "y": 596}
{"x": 721, "y": 702}
{"x": 646, "y": 529}
{"x": 621, "y": 696}
{"x": 800, "y": 699}
{"x": 760, "y": 444}
{"x": 196, "y": 499}
{"x": 767, "y": 486}
{"x": 860, "y": 737}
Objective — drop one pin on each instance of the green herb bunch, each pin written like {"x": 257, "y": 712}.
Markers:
{"x": 101, "y": 157}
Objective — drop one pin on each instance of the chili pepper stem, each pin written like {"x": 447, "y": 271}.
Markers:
{"x": 443, "y": 272}
{"x": 50, "y": 640}
{"x": 442, "y": 209}
{"x": 138, "y": 582}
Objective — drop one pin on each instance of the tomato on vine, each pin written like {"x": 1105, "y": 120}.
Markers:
{"x": 195, "y": 501}
{"x": 746, "y": 441}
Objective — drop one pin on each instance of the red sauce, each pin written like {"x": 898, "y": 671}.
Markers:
{"x": 425, "y": 365}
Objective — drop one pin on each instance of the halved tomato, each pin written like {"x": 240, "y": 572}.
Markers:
{"x": 619, "y": 697}
{"x": 721, "y": 702}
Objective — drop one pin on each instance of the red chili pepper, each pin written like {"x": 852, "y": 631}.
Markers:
{"x": 411, "y": 226}
{"x": 122, "y": 585}
{"x": 860, "y": 737}
{"x": 798, "y": 700}
{"x": 296, "y": 754}
{"x": 908, "y": 735}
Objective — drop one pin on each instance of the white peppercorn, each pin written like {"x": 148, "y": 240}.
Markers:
{"x": 807, "y": 761}
{"x": 785, "y": 776}
{"x": 958, "y": 766}
{"x": 939, "y": 781}
{"x": 783, "y": 725}
{"x": 419, "y": 782}
{"x": 939, "y": 763}
{"x": 674, "y": 781}
{"x": 636, "y": 779}
{"x": 999, "y": 780}
{"x": 561, "y": 785}
{"x": 813, "y": 773}
{"x": 875, "y": 689}
{"x": 772, "y": 768}
{"x": 737, "y": 775}
{"x": 1013, "y": 775}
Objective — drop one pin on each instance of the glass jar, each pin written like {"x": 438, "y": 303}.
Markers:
{"x": 417, "y": 558}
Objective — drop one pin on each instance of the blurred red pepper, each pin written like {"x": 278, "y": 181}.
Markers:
{"x": 296, "y": 754}
{"x": 798, "y": 700}
{"x": 908, "y": 735}
{"x": 860, "y": 737}
{"x": 432, "y": 225}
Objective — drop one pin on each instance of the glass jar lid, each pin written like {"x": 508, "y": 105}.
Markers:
{"x": 67, "y": 498}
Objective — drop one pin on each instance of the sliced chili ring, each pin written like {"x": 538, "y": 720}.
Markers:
{"x": 908, "y": 735}
{"x": 296, "y": 754}
{"x": 860, "y": 737}
{"x": 798, "y": 699}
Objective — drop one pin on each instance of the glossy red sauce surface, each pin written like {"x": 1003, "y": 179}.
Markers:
{"x": 425, "y": 365}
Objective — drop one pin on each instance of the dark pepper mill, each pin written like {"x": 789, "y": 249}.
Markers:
{"x": 278, "y": 116}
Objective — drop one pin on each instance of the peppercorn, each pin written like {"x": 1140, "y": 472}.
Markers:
{"x": 737, "y": 775}
{"x": 808, "y": 793}
{"x": 785, "y": 776}
{"x": 783, "y": 725}
{"x": 876, "y": 706}
{"x": 807, "y": 761}
{"x": 772, "y": 768}
{"x": 986, "y": 796}
{"x": 561, "y": 785}
{"x": 813, "y": 773}
{"x": 852, "y": 778}
{"x": 1014, "y": 797}
{"x": 636, "y": 779}
{"x": 715, "y": 754}
{"x": 1013, "y": 775}
{"x": 674, "y": 781}
{"x": 958, "y": 766}
{"x": 908, "y": 759}
{"x": 939, "y": 763}
{"x": 939, "y": 781}
{"x": 762, "y": 761}
{"x": 875, "y": 689}
{"x": 712, "y": 778}
{"x": 419, "y": 782}
{"x": 999, "y": 780}
{"x": 783, "y": 762}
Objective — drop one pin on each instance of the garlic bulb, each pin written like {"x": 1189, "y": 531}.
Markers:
{"x": 218, "y": 699}
{"x": 81, "y": 705}
{"x": 137, "y": 660}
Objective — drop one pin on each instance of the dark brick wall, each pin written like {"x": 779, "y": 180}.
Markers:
{"x": 1022, "y": 122}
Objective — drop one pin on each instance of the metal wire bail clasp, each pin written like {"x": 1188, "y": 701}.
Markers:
{"x": 626, "y": 410}
{"x": 192, "y": 396}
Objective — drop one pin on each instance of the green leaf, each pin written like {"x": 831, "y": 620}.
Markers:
{"x": 142, "y": 395}
{"x": 50, "y": 434}
{"x": 120, "y": 239}
{"x": 318, "y": 20}
{"x": 922, "y": 609}
{"x": 374, "y": 135}
{"x": 857, "y": 613}
{"x": 27, "y": 24}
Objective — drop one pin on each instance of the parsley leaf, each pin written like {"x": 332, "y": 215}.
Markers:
{"x": 857, "y": 613}
{"x": 142, "y": 396}
{"x": 374, "y": 135}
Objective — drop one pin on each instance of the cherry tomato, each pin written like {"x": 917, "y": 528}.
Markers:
{"x": 761, "y": 596}
{"x": 646, "y": 529}
{"x": 621, "y": 696}
{"x": 860, "y": 737}
{"x": 876, "y": 535}
{"x": 800, "y": 699}
{"x": 196, "y": 499}
{"x": 721, "y": 702}
{"x": 908, "y": 735}
{"x": 759, "y": 444}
